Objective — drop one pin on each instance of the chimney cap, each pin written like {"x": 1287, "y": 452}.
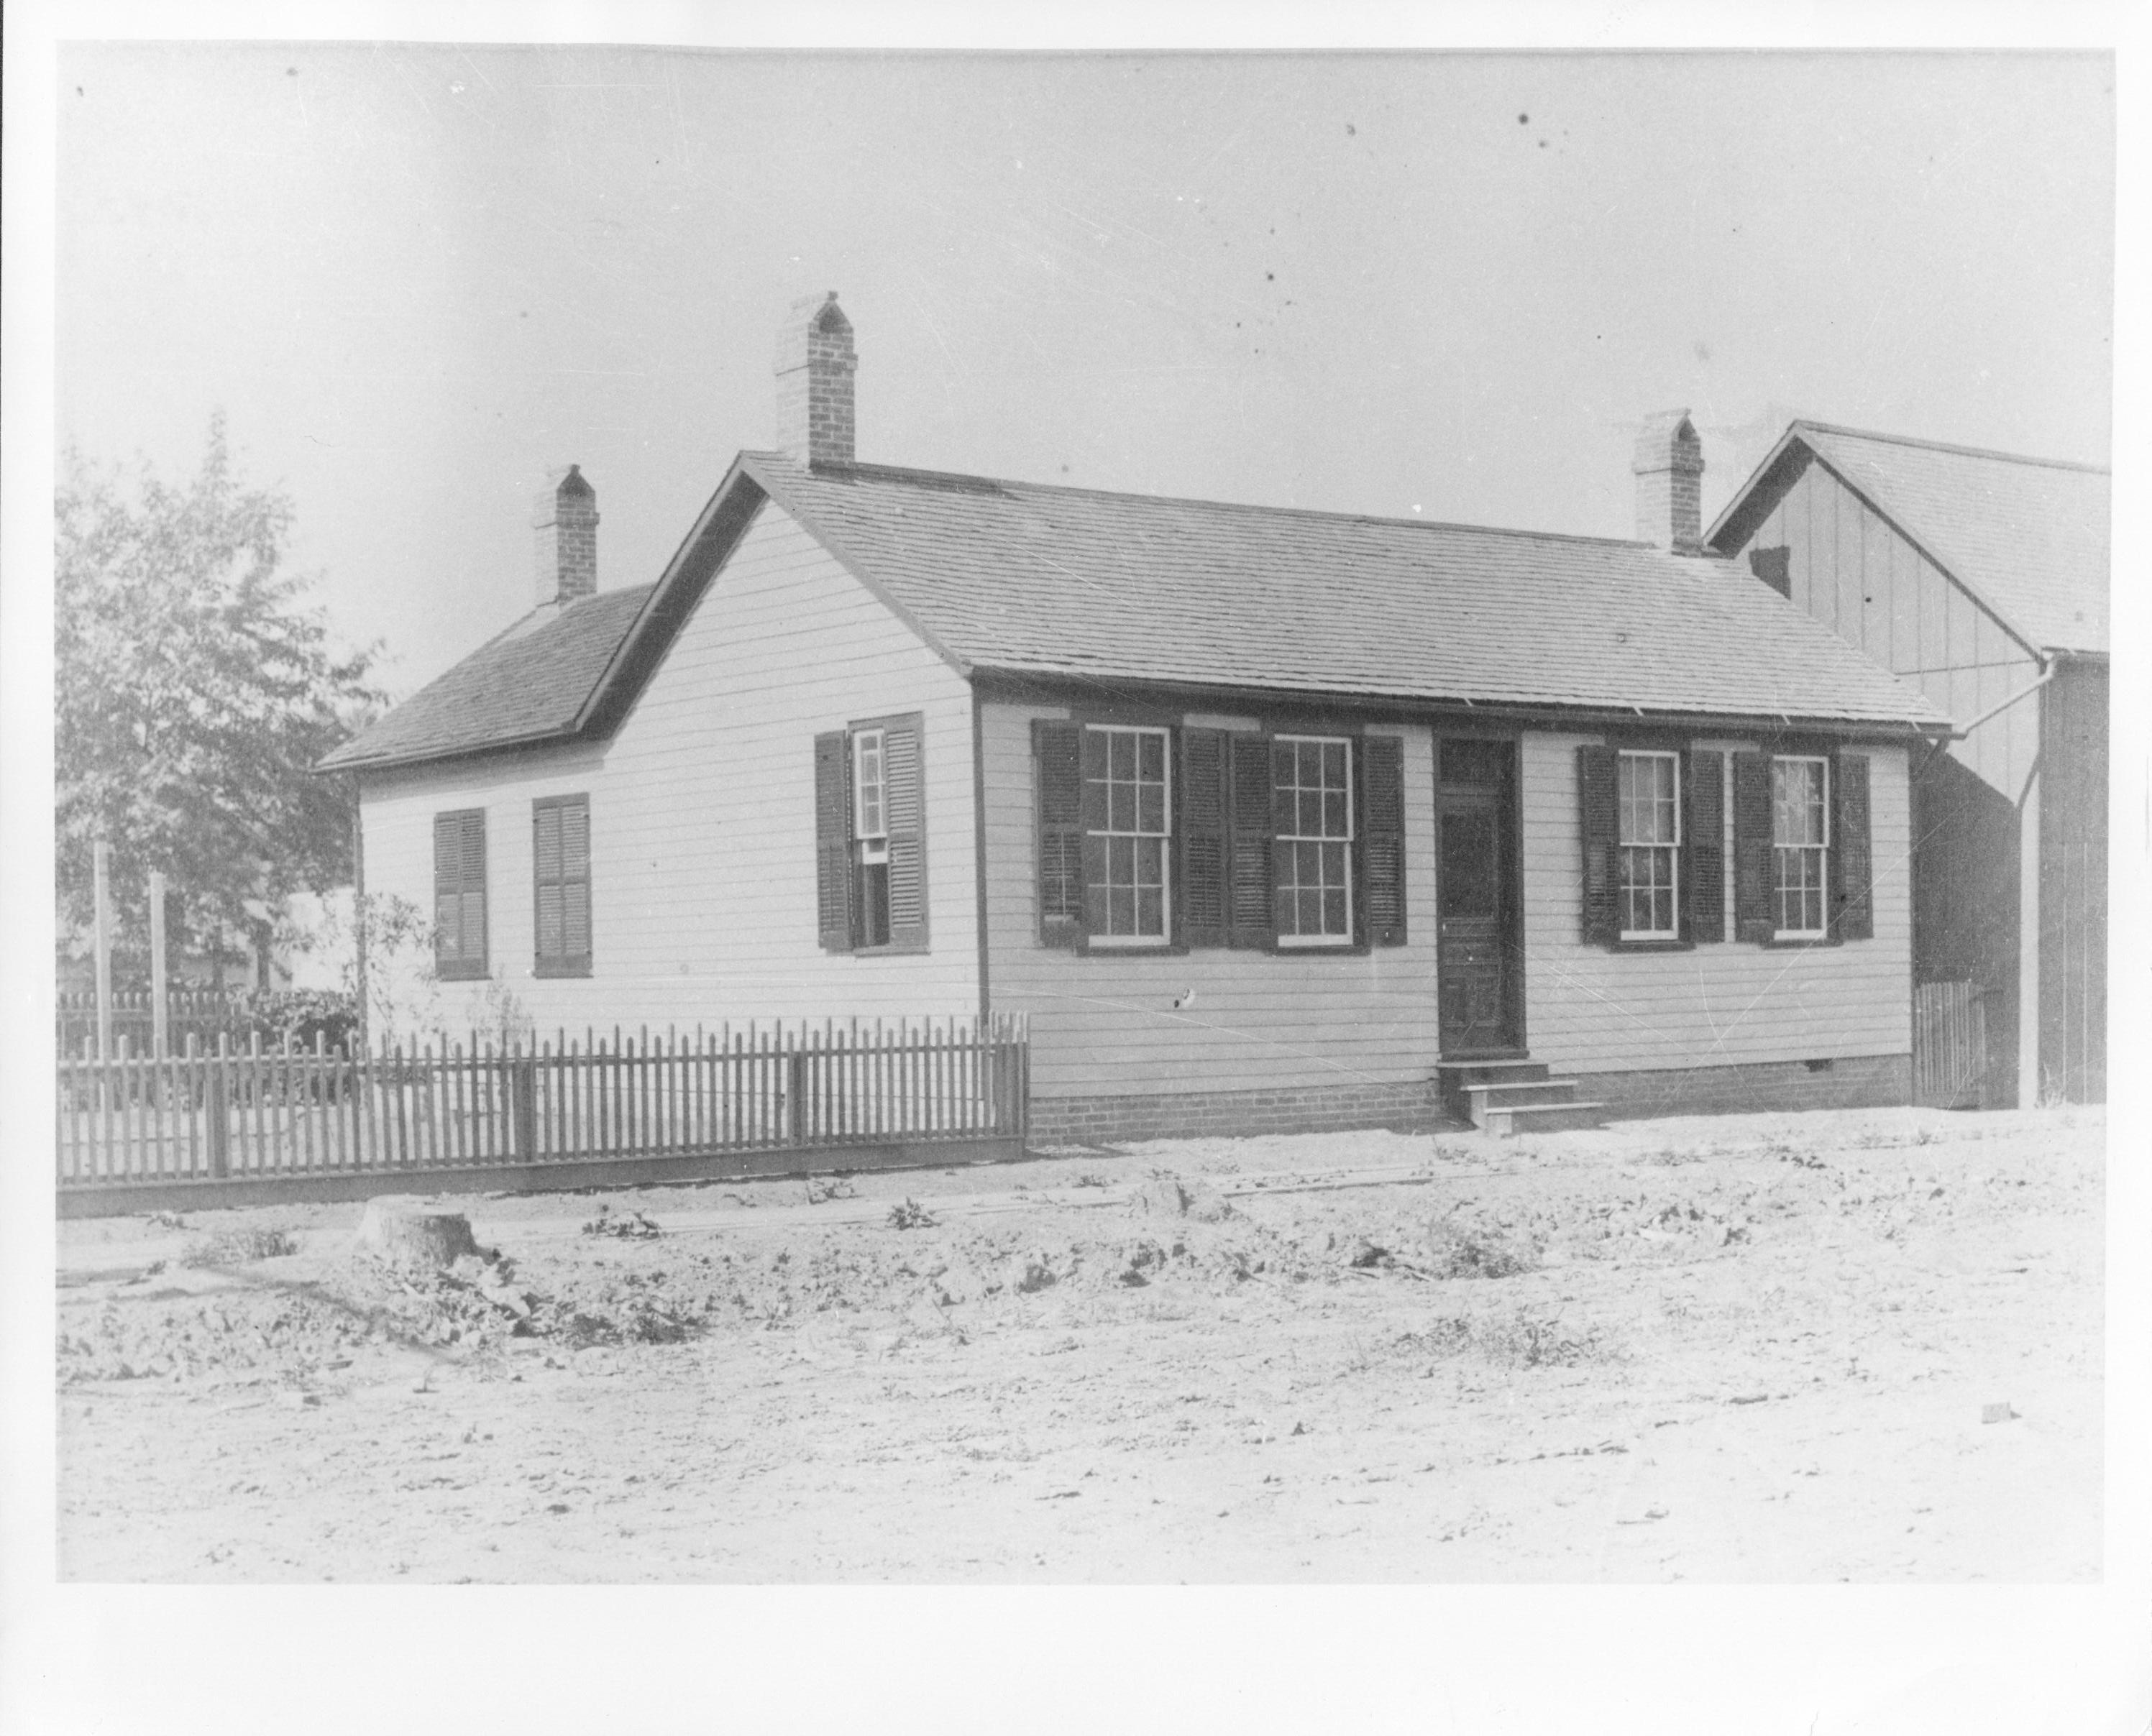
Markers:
{"x": 1667, "y": 441}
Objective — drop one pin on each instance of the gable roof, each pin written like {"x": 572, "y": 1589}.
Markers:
{"x": 528, "y": 683}
{"x": 1027, "y": 580}
{"x": 2027, "y": 537}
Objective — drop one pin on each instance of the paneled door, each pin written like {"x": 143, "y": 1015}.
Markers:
{"x": 1478, "y": 951}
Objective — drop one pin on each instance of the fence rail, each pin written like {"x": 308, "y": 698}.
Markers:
{"x": 264, "y": 1113}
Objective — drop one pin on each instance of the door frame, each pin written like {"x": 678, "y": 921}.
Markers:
{"x": 1509, "y": 811}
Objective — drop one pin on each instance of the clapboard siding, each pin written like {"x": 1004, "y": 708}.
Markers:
{"x": 701, "y": 816}
{"x": 1854, "y": 571}
{"x": 1595, "y": 1010}
{"x": 1104, "y": 1025}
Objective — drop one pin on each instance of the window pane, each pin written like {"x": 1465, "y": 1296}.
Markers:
{"x": 1333, "y": 911}
{"x": 1151, "y": 807}
{"x": 1153, "y": 755}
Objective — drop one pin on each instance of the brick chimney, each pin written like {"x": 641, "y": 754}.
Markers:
{"x": 815, "y": 367}
{"x": 1669, "y": 468}
{"x": 565, "y": 520}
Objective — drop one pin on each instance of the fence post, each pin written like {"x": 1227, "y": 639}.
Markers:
{"x": 523, "y": 1100}
{"x": 795, "y": 1089}
{"x": 217, "y": 1111}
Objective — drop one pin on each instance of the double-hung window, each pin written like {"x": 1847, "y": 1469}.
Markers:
{"x": 1312, "y": 797}
{"x": 870, "y": 836}
{"x": 1127, "y": 801}
{"x": 1648, "y": 823}
{"x": 1800, "y": 844}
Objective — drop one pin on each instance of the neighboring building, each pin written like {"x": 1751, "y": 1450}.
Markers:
{"x": 1982, "y": 577}
{"x": 1257, "y": 814}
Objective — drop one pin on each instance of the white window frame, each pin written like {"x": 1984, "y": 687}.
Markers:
{"x": 1624, "y": 888}
{"x": 1350, "y": 840}
{"x": 1163, "y": 834}
{"x": 1821, "y": 852}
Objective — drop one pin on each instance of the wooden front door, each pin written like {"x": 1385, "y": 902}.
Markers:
{"x": 1479, "y": 954}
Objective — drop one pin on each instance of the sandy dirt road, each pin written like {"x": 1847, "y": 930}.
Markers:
{"x": 1733, "y": 1349}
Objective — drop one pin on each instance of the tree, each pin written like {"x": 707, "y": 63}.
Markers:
{"x": 194, "y": 693}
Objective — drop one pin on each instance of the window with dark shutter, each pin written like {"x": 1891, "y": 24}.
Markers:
{"x": 1250, "y": 867}
{"x": 1704, "y": 918}
{"x": 1382, "y": 839}
{"x": 833, "y": 841}
{"x": 1754, "y": 917}
{"x": 459, "y": 894}
{"x": 1853, "y": 892}
{"x": 1598, "y": 826}
{"x": 560, "y": 861}
{"x": 1057, "y": 752}
{"x": 1205, "y": 800}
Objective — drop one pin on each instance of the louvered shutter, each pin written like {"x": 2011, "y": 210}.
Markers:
{"x": 1599, "y": 825}
{"x": 1092, "y": 808}
{"x": 1057, "y": 756}
{"x": 1753, "y": 877}
{"x": 575, "y": 881}
{"x": 560, "y": 866}
{"x": 1852, "y": 859}
{"x": 459, "y": 894}
{"x": 1250, "y": 886}
{"x": 906, "y": 820}
{"x": 545, "y": 855}
{"x": 1200, "y": 920}
{"x": 1382, "y": 839}
{"x": 1703, "y": 834}
{"x": 833, "y": 840}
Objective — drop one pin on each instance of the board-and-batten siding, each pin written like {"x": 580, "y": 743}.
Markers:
{"x": 702, "y": 817}
{"x": 1852, "y": 570}
{"x": 1107, "y": 1025}
{"x": 1592, "y": 1010}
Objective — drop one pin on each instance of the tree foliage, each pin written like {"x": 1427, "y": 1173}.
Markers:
{"x": 194, "y": 691}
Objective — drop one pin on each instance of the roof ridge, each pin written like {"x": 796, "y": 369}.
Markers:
{"x": 1969, "y": 452}
{"x": 900, "y": 472}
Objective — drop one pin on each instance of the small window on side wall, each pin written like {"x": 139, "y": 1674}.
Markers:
{"x": 870, "y": 837}
{"x": 1800, "y": 846}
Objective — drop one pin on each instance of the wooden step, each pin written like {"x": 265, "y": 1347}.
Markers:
{"x": 1505, "y": 1093}
{"x": 1541, "y": 1118}
{"x": 1455, "y": 1078}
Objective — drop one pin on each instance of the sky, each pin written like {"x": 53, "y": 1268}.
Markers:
{"x": 414, "y": 277}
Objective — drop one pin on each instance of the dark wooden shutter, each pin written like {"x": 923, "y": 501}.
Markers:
{"x": 833, "y": 840}
{"x": 905, "y": 814}
{"x": 1753, "y": 878}
{"x": 459, "y": 894}
{"x": 561, "y": 862}
{"x": 545, "y": 860}
{"x": 1205, "y": 800}
{"x": 1057, "y": 754}
{"x": 1599, "y": 825}
{"x": 1852, "y": 858}
{"x": 1382, "y": 839}
{"x": 1703, "y": 835}
{"x": 1250, "y": 866}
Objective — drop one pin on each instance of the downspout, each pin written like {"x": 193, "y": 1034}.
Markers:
{"x": 979, "y": 848}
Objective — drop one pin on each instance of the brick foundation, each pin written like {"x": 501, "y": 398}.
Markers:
{"x": 1851, "y": 1082}
{"x": 1187, "y": 1115}
{"x": 1868, "y": 1082}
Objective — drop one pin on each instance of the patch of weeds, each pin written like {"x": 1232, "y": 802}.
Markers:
{"x": 908, "y": 1214}
{"x": 1786, "y": 1151}
{"x": 835, "y": 1187}
{"x": 630, "y": 1226}
{"x": 168, "y": 1220}
{"x": 1090, "y": 1179}
{"x": 1525, "y": 1338}
{"x": 1456, "y": 1251}
{"x": 1668, "y": 1157}
{"x": 1925, "y": 1137}
{"x": 1445, "y": 1152}
{"x": 234, "y": 1247}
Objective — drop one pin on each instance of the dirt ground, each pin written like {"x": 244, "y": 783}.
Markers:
{"x": 1862, "y": 1346}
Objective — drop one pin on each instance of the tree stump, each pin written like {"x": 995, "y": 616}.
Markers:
{"x": 409, "y": 1234}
